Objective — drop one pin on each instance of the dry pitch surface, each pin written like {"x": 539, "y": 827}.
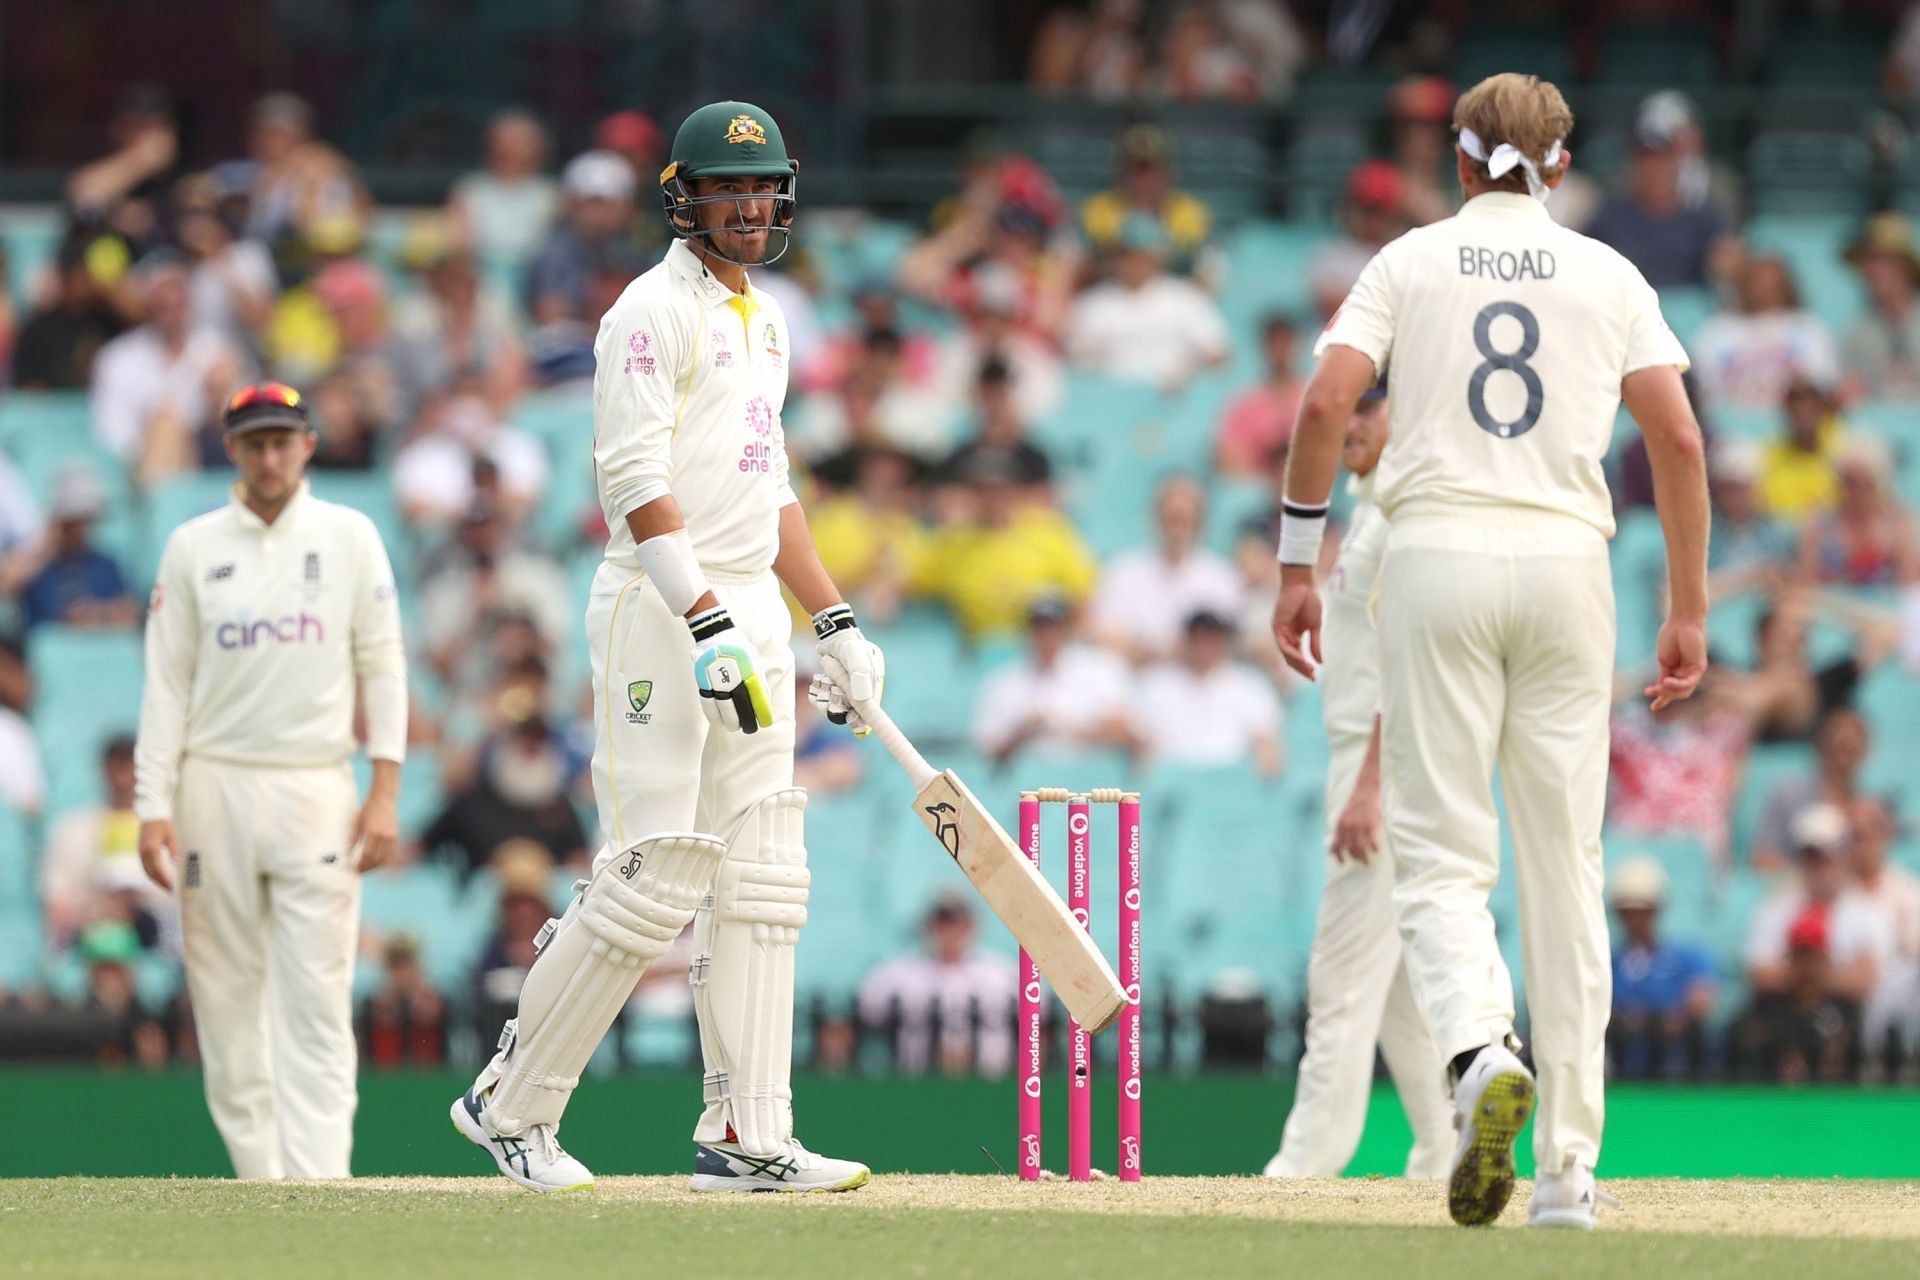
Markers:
{"x": 938, "y": 1226}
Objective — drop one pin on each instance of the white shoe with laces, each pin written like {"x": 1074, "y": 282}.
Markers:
{"x": 723, "y": 1166}
{"x": 1569, "y": 1199}
{"x": 534, "y": 1159}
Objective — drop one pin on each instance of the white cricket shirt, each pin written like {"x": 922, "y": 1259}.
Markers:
{"x": 1506, "y": 336}
{"x": 688, "y": 384}
{"x": 1350, "y": 676}
{"x": 258, "y": 638}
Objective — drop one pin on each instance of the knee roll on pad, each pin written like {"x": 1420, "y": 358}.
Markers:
{"x": 631, "y": 912}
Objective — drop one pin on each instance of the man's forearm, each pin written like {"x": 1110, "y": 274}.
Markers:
{"x": 386, "y": 780}
{"x": 658, "y": 519}
{"x": 797, "y": 564}
{"x": 1680, "y": 494}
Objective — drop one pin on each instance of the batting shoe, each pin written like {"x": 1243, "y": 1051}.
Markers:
{"x": 723, "y": 1166}
{"x": 535, "y": 1159}
{"x": 1491, "y": 1103}
{"x": 1568, "y": 1199}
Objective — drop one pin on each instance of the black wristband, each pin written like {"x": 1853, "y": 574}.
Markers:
{"x": 706, "y": 626}
{"x": 835, "y": 617}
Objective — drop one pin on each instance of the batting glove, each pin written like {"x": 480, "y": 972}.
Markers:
{"x": 725, "y": 667}
{"x": 855, "y": 665}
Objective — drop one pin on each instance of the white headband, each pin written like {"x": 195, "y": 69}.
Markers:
{"x": 1506, "y": 158}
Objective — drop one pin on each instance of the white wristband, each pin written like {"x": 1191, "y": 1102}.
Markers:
{"x": 1302, "y": 527}
{"x": 670, "y": 565}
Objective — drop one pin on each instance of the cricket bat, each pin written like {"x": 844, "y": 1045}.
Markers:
{"x": 1013, "y": 887}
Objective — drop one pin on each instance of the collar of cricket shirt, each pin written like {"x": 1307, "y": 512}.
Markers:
{"x": 1505, "y": 204}
{"x": 686, "y": 263}
{"x": 249, "y": 519}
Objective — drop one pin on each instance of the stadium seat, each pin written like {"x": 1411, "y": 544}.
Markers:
{"x": 19, "y": 867}
{"x": 87, "y": 685}
{"x": 1768, "y": 765}
{"x": 174, "y": 501}
{"x": 1793, "y": 172}
{"x": 371, "y": 494}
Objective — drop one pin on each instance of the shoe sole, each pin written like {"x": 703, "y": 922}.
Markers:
{"x": 464, "y": 1126}
{"x": 749, "y": 1186}
{"x": 1563, "y": 1220}
{"x": 1483, "y": 1183}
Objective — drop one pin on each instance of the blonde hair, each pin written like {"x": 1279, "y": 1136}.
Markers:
{"x": 1525, "y": 111}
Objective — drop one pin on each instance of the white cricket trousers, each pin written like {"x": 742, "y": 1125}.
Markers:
{"x": 1496, "y": 644}
{"x": 270, "y": 916}
{"x": 1357, "y": 996}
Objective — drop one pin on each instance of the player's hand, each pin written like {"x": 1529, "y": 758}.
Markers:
{"x": 1682, "y": 653}
{"x": 834, "y": 704}
{"x": 158, "y": 851}
{"x": 1296, "y": 619}
{"x": 376, "y": 832}
{"x": 733, "y": 692}
{"x": 860, "y": 669}
{"x": 1356, "y": 833}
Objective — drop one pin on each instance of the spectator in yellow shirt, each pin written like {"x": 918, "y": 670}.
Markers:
{"x": 868, "y": 535}
{"x": 1006, "y": 552}
{"x": 1797, "y": 478}
{"x": 1144, "y": 184}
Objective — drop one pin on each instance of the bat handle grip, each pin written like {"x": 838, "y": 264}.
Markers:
{"x": 896, "y": 743}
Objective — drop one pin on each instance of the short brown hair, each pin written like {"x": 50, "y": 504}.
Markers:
{"x": 1523, "y": 110}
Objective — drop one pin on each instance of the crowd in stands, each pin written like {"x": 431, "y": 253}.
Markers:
{"x": 447, "y": 354}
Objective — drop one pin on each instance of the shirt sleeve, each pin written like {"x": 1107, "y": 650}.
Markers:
{"x": 172, "y": 643}
{"x": 641, "y": 364}
{"x": 1365, "y": 320}
{"x": 379, "y": 654}
{"x": 1649, "y": 341}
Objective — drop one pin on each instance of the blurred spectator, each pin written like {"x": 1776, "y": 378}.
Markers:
{"x": 1000, "y": 427}
{"x": 1890, "y": 1022}
{"x": 109, "y": 949}
{"x": 403, "y": 1023}
{"x": 1143, "y": 324}
{"x": 1422, "y": 112}
{"x": 57, "y": 346}
{"x": 1703, "y": 182}
{"x": 126, "y": 190}
{"x": 1798, "y": 477}
{"x": 792, "y": 286}
{"x": 486, "y": 578}
{"x": 157, "y": 386}
{"x": 1102, "y": 52}
{"x": 992, "y": 334}
{"x": 456, "y": 325}
{"x": 349, "y": 429}
{"x": 90, "y": 869}
{"x": 1204, "y": 708}
{"x": 1061, "y": 697}
{"x": 949, "y": 1007}
{"x": 868, "y": 535}
{"x": 1265, "y": 34}
{"x": 499, "y": 213}
{"x": 1867, "y": 539}
{"x": 1662, "y": 991}
{"x": 1840, "y": 747}
{"x": 1651, "y": 222}
{"x": 9, "y": 313}
{"x": 78, "y": 585}
{"x": 1005, "y": 551}
{"x": 433, "y": 472}
{"x": 21, "y": 528}
{"x": 1675, "y": 772}
{"x": 1201, "y": 61}
{"x": 1858, "y": 931}
{"x": 300, "y": 183}
{"x": 876, "y": 306}
{"x": 1143, "y": 183}
{"x": 520, "y": 793}
{"x": 1371, "y": 215}
{"x": 635, "y": 138}
{"x": 598, "y": 221}
{"x": 517, "y": 680}
{"x": 1260, "y": 419}
{"x": 1802, "y": 1030}
{"x": 1745, "y": 358}
{"x": 302, "y": 340}
{"x": 23, "y": 781}
{"x": 354, "y": 294}
{"x": 1748, "y": 544}
{"x": 1147, "y": 597}
{"x": 523, "y": 870}
{"x": 875, "y": 404}
{"x": 1882, "y": 350}
{"x": 1635, "y": 486}
{"x": 1787, "y": 694}
{"x": 826, "y": 757}
{"x": 230, "y": 280}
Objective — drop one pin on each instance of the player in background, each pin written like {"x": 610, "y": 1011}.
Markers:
{"x": 1357, "y": 992}
{"x": 1512, "y": 342}
{"x": 270, "y": 616}
{"x": 693, "y": 691}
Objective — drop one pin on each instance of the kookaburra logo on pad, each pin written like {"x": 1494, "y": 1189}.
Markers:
{"x": 946, "y": 828}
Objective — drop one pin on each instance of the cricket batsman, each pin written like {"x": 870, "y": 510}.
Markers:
{"x": 693, "y": 692}
{"x": 269, "y": 618}
{"x": 1357, "y": 992}
{"x": 1512, "y": 342}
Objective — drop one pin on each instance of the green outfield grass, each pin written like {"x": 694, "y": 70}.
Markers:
{"x": 932, "y": 1226}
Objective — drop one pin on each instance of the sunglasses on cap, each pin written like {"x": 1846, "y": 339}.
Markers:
{"x": 263, "y": 405}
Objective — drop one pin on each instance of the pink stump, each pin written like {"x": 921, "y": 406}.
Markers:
{"x": 1080, "y": 1057}
{"x": 1029, "y": 1042}
{"x": 1130, "y": 979}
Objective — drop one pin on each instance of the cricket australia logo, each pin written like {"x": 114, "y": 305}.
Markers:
{"x": 638, "y": 694}
{"x": 946, "y": 827}
{"x": 640, "y": 352}
{"x": 744, "y": 128}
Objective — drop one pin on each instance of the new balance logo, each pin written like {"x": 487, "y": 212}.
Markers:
{"x": 220, "y": 572}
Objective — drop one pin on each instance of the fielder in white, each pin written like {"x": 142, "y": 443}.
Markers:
{"x": 269, "y": 616}
{"x": 693, "y": 692}
{"x": 1357, "y": 992}
{"x": 1512, "y": 342}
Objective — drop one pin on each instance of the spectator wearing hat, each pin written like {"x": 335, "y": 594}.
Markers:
{"x": 1061, "y": 697}
{"x": 946, "y": 1007}
{"x": 1867, "y": 538}
{"x": 403, "y": 1023}
{"x": 303, "y": 191}
{"x": 635, "y": 137}
{"x": 1421, "y": 108}
{"x": 1744, "y": 358}
{"x": 1143, "y": 324}
{"x": 1650, "y": 221}
{"x": 523, "y": 870}
{"x": 1749, "y": 545}
{"x": 1203, "y": 708}
{"x": 1000, "y": 423}
{"x": 1662, "y": 991}
{"x": 1003, "y": 549}
{"x": 1259, "y": 419}
{"x": 78, "y": 585}
{"x": 1882, "y": 351}
{"x": 500, "y": 212}
{"x": 1372, "y": 213}
{"x": 1797, "y": 477}
{"x": 1147, "y": 596}
{"x": 1143, "y": 183}
{"x": 1805, "y": 1028}
{"x": 458, "y": 433}
{"x": 1703, "y": 182}
{"x": 598, "y": 221}
{"x": 1859, "y": 933}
